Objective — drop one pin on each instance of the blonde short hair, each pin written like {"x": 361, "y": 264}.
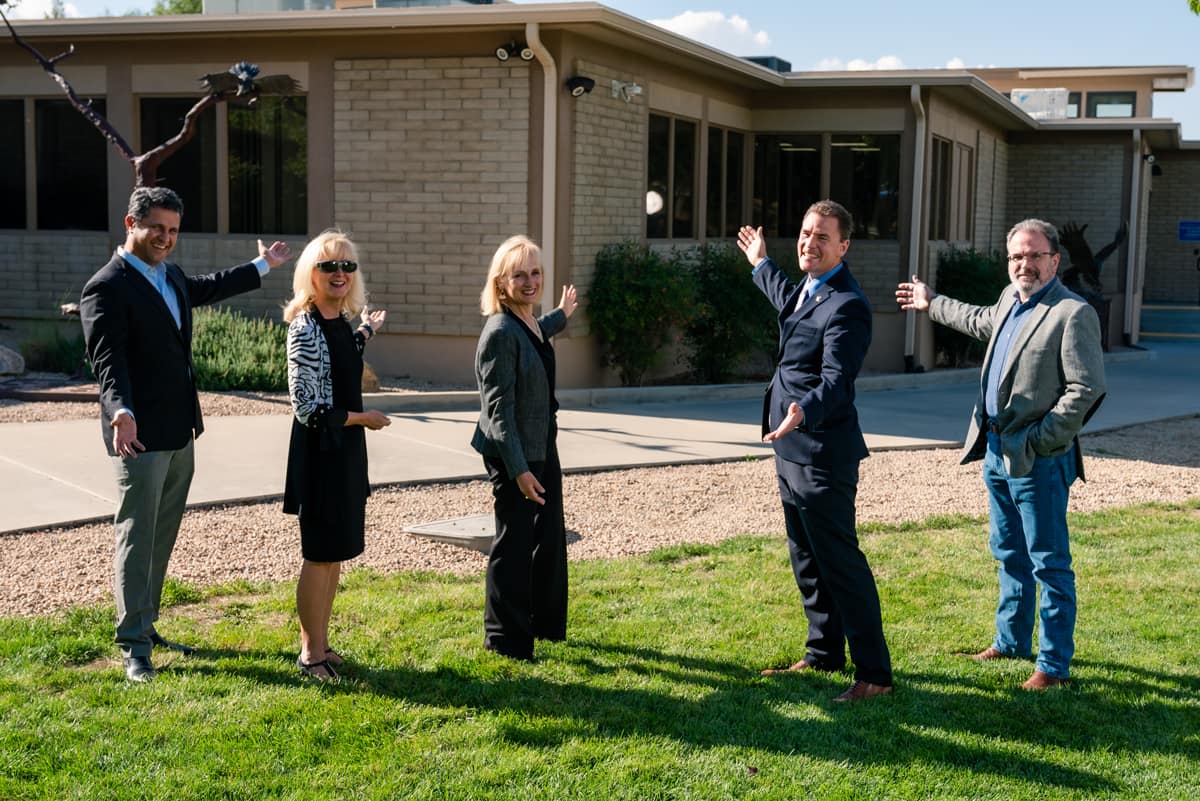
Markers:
{"x": 329, "y": 244}
{"x": 512, "y": 253}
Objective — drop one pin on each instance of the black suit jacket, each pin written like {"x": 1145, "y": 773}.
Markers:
{"x": 143, "y": 361}
{"x": 821, "y": 349}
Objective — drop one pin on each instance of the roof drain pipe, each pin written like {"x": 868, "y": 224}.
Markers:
{"x": 914, "y": 230}
{"x": 1131, "y": 254}
{"x": 549, "y": 156}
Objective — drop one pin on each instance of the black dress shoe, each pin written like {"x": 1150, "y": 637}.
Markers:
{"x": 138, "y": 669}
{"x": 160, "y": 641}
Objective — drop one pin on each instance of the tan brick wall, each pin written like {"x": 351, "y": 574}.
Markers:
{"x": 1083, "y": 183}
{"x": 431, "y": 161}
{"x": 1171, "y": 273}
{"x": 991, "y": 193}
{"x": 63, "y": 261}
{"x": 608, "y": 179}
{"x": 54, "y": 266}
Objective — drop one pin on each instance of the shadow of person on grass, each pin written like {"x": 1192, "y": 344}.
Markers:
{"x": 715, "y": 703}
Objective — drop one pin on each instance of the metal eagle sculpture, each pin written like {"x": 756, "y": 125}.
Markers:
{"x": 242, "y": 80}
{"x": 240, "y": 85}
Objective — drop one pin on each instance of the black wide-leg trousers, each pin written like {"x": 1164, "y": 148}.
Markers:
{"x": 526, "y": 591}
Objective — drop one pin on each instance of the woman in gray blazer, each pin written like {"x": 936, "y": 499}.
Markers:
{"x": 526, "y": 596}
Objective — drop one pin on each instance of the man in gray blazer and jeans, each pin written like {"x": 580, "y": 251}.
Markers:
{"x": 1042, "y": 379}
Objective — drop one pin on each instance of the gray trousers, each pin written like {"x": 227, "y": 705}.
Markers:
{"x": 153, "y": 490}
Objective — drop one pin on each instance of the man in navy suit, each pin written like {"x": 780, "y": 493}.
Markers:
{"x": 137, "y": 323}
{"x": 809, "y": 417}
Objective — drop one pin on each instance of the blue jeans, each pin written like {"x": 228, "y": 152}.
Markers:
{"x": 1028, "y": 537}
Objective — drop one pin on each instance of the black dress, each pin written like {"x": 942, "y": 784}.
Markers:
{"x": 327, "y": 460}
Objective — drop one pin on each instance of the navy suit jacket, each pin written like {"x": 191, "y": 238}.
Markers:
{"x": 821, "y": 349}
{"x": 142, "y": 360}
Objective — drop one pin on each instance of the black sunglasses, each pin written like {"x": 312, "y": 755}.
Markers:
{"x": 333, "y": 265}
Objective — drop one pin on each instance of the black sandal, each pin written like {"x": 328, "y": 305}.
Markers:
{"x": 313, "y": 670}
{"x": 334, "y": 658}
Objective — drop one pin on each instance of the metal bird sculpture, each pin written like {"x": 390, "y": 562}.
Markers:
{"x": 1083, "y": 276}
{"x": 242, "y": 82}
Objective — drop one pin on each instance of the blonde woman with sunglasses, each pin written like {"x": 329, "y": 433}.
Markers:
{"x": 326, "y": 481}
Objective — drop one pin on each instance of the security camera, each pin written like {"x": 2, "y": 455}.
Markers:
{"x": 580, "y": 85}
{"x": 1149, "y": 158}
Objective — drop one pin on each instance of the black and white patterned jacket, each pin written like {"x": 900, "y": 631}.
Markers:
{"x": 310, "y": 380}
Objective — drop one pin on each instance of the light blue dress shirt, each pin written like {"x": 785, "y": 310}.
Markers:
{"x": 811, "y": 285}
{"x": 1009, "y": 329}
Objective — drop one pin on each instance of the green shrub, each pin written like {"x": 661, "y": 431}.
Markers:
{"x": 730, "y": 318}
{"x": 231, "y": 351}
{"x": 49, "y": 350}
{"x": 636, "y": 302}
{"x": 971, "y": 276}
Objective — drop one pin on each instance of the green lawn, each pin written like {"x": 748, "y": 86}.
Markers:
{"x": 656, "y": 695}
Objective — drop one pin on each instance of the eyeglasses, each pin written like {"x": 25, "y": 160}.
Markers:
{"x": 333, "y": 265}
{"x": 1017, "y": 258}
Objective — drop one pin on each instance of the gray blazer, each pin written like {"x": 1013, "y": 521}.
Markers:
{"x": 1053, "y": 381}
{"x": 514, "y": 392}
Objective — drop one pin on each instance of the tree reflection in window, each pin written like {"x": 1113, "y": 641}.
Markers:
{"x": 268, "y": 169}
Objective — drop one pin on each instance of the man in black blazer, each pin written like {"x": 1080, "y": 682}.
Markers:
{"x": 809, "y": 417}
{"x": 137, "y": 324}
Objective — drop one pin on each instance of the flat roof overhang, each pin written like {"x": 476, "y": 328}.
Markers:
{"x": 618, "y": 30}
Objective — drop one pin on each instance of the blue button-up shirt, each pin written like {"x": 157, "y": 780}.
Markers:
{"x": 157, "y": 276}
{"x": 1009, "y": 329}
{"x": 811, "y": 285}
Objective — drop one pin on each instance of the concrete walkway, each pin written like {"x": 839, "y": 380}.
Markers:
{"x": 57, "y": 473}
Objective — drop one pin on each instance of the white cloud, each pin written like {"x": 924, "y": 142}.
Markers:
{"x": 38, "y": 9}
{"x": 732, "y": 34}
{"x": 956, "y": 63}
{"x": 858, "y": 64}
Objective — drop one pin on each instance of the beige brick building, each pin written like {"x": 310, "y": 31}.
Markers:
{"x": 414, "y": 136}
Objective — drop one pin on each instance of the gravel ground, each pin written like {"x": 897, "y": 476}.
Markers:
{"x": 609, "y": 514}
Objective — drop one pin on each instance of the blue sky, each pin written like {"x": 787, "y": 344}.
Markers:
{"x": 933, "y": 33}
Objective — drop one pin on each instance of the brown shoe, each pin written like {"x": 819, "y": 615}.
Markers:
{"x": 1043, "y": 681}
{"x": 862, "y": 689}
{"x": 987, "y": 654}
{"x": 799, "y": 666}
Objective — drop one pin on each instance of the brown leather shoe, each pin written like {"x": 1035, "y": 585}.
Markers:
{"x": 802, "y": 665}
{"x": 862, "y": 689}
{"x": 987, "y": 654}
{"x": 1043, "y": 681}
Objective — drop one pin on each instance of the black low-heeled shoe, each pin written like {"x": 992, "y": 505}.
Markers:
{"x": 138, "y": 669}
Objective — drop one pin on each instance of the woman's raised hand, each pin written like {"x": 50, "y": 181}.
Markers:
{"x": 570, "y": 301}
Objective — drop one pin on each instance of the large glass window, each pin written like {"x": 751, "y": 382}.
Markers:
{"x": 940, "y": 173}
{"x": 671, "y": 178}
{"x": 864, "y": 176}
{"x": 724, "y": 189}
{"x": 1111, "y": 104}
{"x": 1073, "y": 101}
{"x": 192, "y": 170}
{"x": 72, "y": 168}
{"x": 268, "y": 173}
{"x": 12, "y": 164}
{"x": 787, "y": 180}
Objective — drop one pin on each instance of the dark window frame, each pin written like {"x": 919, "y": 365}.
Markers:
{"x": 724, "y": 188}
{"x": 1095, "y": 99}
{"x": 13, "y": 181}
{"x": 679, "y": 197}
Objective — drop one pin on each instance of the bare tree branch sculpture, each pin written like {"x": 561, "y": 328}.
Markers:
{"x": 240, "y": 84}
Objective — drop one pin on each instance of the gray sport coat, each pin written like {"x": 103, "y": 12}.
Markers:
{"x": 1052, "y": 383}
{"x": 514, "y": 391}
